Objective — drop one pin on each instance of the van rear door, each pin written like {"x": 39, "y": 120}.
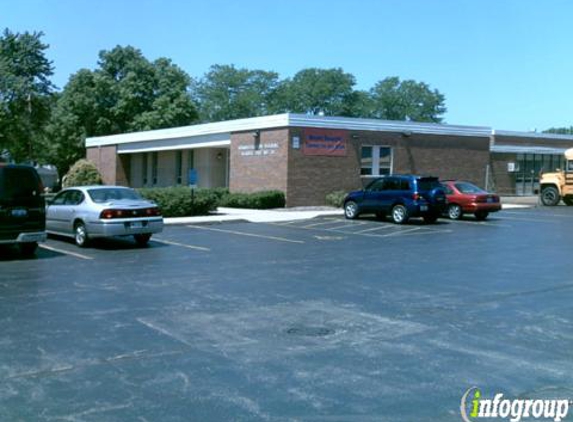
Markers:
{"x": 22, "y": 206}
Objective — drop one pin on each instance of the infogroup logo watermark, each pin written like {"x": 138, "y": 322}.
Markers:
{"x": 474, "y": 407}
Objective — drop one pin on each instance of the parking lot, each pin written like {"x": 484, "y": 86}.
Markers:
{"x": 313, "y": 320}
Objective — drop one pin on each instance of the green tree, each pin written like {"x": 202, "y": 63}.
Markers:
{"x": 560, "y": 130}
{"x": 393, "y": 99}
{"x": 226, "y": 93}
{"x": 25, "y": 93}
{"x": 317, "y": 91}
{"x": 126, "y": 93}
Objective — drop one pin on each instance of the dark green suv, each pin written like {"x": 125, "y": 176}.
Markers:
{"x": 22, "y": 208}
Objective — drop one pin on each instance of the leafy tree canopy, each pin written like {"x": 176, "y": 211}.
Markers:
{"x": 226, "y": 93}
{"x": 560, "y": 130}
{"x": 25, "y": 93}
{"x": 392, "y": 99}
{"x": 126, "y": 93}
{"x": 317, "y": 91}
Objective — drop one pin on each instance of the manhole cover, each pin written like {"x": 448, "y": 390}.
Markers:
{"x": 310, "y": 331}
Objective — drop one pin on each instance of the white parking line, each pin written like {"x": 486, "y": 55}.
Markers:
{"x": 308, "y": 226}
{"x": 357, "y": 223}
{"x": 401, "y": 232}
{"x": 280, "y": 239}
{"x": 63, "y": 251}
{"x": 183, "y": 245}
{"x": 381, "y": 227}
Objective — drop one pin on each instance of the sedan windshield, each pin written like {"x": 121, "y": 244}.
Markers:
{"x": 468, "y": 188}
{"x": 100, "y": 196}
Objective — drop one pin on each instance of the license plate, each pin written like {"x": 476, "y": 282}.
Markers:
{"x": 423, "y": 208}
{"x": 489, "y": 199}
{"x": 136, "y": 225}
{"x": 19, "y": 213}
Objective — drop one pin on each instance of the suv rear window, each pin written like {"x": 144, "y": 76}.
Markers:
{"x": 18, "y": 182}
{"x": 428, "y": 183}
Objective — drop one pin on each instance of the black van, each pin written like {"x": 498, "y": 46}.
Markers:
{"x": 22, "y": 208}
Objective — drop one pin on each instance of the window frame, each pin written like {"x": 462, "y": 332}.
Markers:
{"x": 375, "y": 166}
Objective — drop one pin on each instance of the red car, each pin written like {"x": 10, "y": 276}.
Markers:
{"x": 467, "y": 198}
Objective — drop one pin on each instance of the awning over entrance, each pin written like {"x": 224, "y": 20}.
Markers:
{"x": 218, "y": 140}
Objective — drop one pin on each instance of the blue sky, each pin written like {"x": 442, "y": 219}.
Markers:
{"x": 505, "y": 63}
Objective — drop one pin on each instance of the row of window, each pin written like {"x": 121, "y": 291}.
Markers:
{"x": 178, "y": 165}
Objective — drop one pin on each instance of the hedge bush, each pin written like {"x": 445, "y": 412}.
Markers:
{"x": 336, "y": 199}
{"x": 82, "y": 173}
{"x": 180, "y": 201}
{"x": 257, "y": 200}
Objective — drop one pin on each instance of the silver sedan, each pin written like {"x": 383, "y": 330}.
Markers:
{"x": 89, "y": 212}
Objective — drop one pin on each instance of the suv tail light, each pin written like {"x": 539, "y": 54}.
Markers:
{"x": 416, "y": 196}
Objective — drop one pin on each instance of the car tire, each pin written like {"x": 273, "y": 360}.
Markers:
{"x": 430, "y": 218}
{"x": 455, "y": 212}
{"x": 28, "y": 248}
{"x": 399, "y": 214}
{"x": 81, "y": 235}
{"x": 142, "y": 239}
{"x": 550, "y": 196}
{"x": 568, "y": 201}
{"x": 351, "y": 210}
{"x": 481, "y": 215}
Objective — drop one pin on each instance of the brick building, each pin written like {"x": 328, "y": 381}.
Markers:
{"x": 308, "y": 157}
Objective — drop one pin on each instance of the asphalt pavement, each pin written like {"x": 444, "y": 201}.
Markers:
{"x": 320, "y": 319}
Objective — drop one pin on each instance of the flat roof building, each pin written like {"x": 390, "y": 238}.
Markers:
{"x": 308, "y": 157}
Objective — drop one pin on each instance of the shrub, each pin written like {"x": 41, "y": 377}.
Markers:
{"x": 181, "y": 201}
{"x": 257, "y": 200}
{"x": 82, "y": 173}
{"x": 336, "y": 198}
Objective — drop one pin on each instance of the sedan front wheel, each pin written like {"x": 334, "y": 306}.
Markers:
{"x": 455, "y": 211}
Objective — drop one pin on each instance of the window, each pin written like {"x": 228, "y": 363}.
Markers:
{"x": 366, "y": 161}
{"x": 179, "y": 166}
{"x": 375, "y": 160}
{"x": 154, "y": 160}
{"x": 376, "y": 186}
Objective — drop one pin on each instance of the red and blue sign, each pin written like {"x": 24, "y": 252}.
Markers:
{"x": 329, "y": 142}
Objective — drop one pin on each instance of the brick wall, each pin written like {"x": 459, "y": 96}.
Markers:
{"x": 259, "y": 164}
{"x": 503, "y": 181}
{"x": 105, "y": 158}
{"x": 311, "y": 178}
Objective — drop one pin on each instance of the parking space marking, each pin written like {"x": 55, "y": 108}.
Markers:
{"x": 414, "y": 231}
{"x": 63, "y": 251}
{"x": 261, "y": 236}
{"x": 183, "y": 245}
{"x": 330, "y": 221}
{"x": 401, "y": 232}
{"x": 382, "y": 227}
{"x": 344, "y": 226}
{"x": 479, "y": 223}
{"x": 532, "y": 220}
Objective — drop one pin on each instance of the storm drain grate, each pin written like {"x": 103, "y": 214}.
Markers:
{"x": 310, "y": 331}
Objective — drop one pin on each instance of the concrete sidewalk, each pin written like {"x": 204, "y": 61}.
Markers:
{"x": 258, "y": 216}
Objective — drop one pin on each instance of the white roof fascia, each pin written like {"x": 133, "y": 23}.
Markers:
{"x": 552, "y": 136}
{"x": 266, "y": 122}
{"x": 205, "y": 141}
{"x": 288, "y": 120}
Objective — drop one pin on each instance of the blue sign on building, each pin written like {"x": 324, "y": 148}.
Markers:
{"x": 192, "y": 177}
